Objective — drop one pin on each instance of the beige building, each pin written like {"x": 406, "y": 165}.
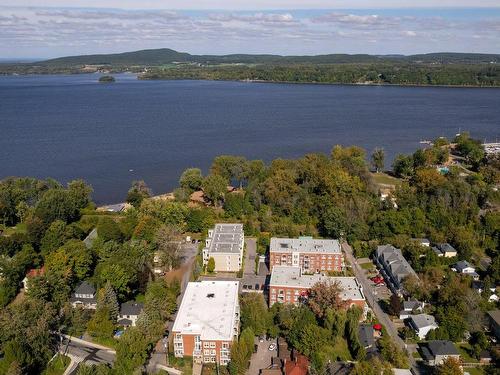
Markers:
{"x": 207, "y": 322}
{"x": 225, "y": 245}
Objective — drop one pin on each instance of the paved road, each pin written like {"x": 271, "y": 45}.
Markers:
{"x": 80, "y": 351}
{"x": 373, "y": 302}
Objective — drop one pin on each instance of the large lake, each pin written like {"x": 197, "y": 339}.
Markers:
{"x": 68, "y": 127}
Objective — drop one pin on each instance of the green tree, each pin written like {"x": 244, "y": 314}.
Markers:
{"x": 191, "y": 179}
{"x": 137, "y": 193}
{"x": 254, "y": 313}
{"x": 106, "y": 299}
{"x": 214, "y": 188}
{"x": 54, "y": 237}
{"x": 109, "y": 230}
{"x": 211, "y": 265}
{"x": 101, "y": 324}
{"x": 378, "y": 159}
{"x": 403, "y": 166}
{"x": 325, "y": 295}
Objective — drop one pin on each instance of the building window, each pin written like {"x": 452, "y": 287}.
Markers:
{"x": 206, "y": 344}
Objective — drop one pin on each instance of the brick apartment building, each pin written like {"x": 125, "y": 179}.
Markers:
{"x": 207, "y": 321}
{"x": 311, "y": 255}
{"x": 289, "y": 285}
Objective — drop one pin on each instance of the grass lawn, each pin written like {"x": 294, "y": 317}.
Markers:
{"x": 416, "y": 355}
{"x": 109, "y": 342}
{"x": 464, "y": 350}
{"x": 4, "y": 367}
{"x": 57, "y": 366}
{"x": 183, "y": 364}
{"x": 19, "y": 228}
{"x": 474, "y": 370}
{"x": 384, "y": 178}
{"x": 367, "y": 266}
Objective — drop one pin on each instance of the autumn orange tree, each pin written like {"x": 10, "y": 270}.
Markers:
{"x": 325, "y": 295}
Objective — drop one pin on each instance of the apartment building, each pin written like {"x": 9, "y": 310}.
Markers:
{"x": 290, "y": 285}
{"x": 207, "y": 321}
{"x": 393, "y": 266}
{"x": 311, "y": 255}
{"x": 225, "y": 245}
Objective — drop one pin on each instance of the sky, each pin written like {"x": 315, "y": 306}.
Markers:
{"x": 52, "y": 28}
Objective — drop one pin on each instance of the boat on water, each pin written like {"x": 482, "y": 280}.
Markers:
{"x": 425, "y": 142}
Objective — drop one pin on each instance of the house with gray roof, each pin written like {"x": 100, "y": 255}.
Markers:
{"x": 444, "y": 250}
{"x": 465, "y": 268}
{"x": 422, "y": 324}
{"x": 410, "y": 308}
{"x": 435, "y": 352}
{"x": 393, "y": 267}
{"x": 84, "y": 296}
{"x": 366, "y": 336}
{"x": 129, "y": 312}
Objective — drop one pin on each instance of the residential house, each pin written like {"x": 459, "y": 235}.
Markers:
{"x": 129, "y": 312}
{"x": 437, "y": 351}
{"x": 411, "y": 307}
{"x": 422, "y": 324}
{"x": 84, "y": 296}
{"x": 393, "y": 267}
{"x": 401, "y": 371}
{"x": 289, "y": 285}
{"x": 31, "y": 274}
{"x": 366, "y": 336}
{"x": 444, "y": 250}
{"x": 91, "y": 237}
{"x": 465, "y": 268}
{"x": 298, "y": 365}
{"x": 422, "y": 242}
{"x": 225, "y": 245}
{"x": 494, "y": 317}
{"x": 207, "y": 321}
{"x": 311, "y": 255}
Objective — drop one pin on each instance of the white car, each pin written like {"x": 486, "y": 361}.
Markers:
{"x": 272, "y": 347}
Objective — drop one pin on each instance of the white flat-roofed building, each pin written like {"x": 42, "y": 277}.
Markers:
{"x": 289, "y": 285}
{"x": 310, "y": 254}
{"x": 225, "y": 244}
{"x": 207, "y": 321}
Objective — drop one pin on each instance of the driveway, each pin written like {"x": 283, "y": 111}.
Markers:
{"x": 372, "y": 299}
{"x": 262, "y": 359}
{"x": 251, "y": 253}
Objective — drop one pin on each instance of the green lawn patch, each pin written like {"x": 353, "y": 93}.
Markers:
{"x": 4, "y": 366}
{"x": 465, "y": 353}
{"x": 19, "y": 228}
{"x": 57, "y": 366}
{"x": 367, "y": 266}
{"x": 105, "y": 341}
{"x": 474, "y": 370}
{"x": 385, "y": 179}
{"x": 184, "y": 364}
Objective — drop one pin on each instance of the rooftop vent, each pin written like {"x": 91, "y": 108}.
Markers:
{"x": 210, "y": 295}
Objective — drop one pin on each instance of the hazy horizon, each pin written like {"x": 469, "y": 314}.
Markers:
{"x": 293, "y": 27}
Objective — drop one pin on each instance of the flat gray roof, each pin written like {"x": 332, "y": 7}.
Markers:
{"x": 291, "y": 277}
{"x": 226, "y": 238}
{"x": 304, "y": 245}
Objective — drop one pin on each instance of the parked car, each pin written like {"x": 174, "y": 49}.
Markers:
{"x": 272, "y": 347}
{"x": 261, "y": 338}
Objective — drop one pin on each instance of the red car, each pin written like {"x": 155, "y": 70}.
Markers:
{"x": 377, "y": 279}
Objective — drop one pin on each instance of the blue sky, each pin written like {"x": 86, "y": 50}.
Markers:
{"x": 63, "y": 27}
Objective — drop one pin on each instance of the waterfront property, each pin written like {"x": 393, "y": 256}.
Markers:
{"x": 84, "y": 296}
{"x": 225, "y": 245}
{"x": 207, "y": 321}
{"x": 311, "y": 255}
{"x": 393, "y": 266}
{"x": 465, "y": 268}
{"x": 290, "y": 285}
{"x": 444, "y": 250}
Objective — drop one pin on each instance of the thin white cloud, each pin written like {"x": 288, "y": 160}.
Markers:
{"x": 253, "y": 4}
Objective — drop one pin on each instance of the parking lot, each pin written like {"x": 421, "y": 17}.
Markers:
{"x": 263, "y": 357}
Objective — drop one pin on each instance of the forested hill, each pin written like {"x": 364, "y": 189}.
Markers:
{"x": 155, "y": 57}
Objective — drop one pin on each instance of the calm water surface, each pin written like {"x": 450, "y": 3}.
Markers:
{"x": 69, "y": 127}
